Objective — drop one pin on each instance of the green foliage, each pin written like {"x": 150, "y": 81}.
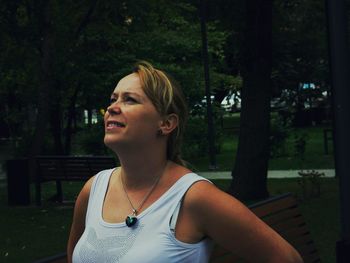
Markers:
{"x": 310, "y": 182}
{"x": 89, "y": 140}
{"x": 299, "y": 44}
{"x": 300, "y": 141}
{"x": 314, "y": 156}
{"x": 279, "y": 133}
{"x": 195, "y": 142}
{"x": 18, "y": 69}
{"x": 196, "y": 138}
{"x": 94, "y": 46}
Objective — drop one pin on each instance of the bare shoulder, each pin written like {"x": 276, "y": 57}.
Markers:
{"x": 203, "y": 198}
{"x": 83, "y": 197}
{"x": 204, "y": 193}
{"x": 232, "y": 225}
{"x": 87, "y": 186}
{"x": 215, "y": 211}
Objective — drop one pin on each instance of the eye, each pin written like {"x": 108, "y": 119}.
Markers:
{"x": 129, "y": 99}
{"x": 112, "y": 100}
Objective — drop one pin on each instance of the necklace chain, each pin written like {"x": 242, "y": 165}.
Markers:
{"x": 136, "y": 210}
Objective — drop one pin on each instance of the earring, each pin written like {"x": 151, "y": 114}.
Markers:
{"x": 159, "y": 132}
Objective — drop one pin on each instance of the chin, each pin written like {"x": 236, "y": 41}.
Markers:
{"x": 112, "y": 142}
{"x": 109, "y": 142}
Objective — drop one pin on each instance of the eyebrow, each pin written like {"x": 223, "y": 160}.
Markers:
{"x": 126, "y": 93}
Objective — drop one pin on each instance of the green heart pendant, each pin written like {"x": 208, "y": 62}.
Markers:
{"x": 130, "y": 220}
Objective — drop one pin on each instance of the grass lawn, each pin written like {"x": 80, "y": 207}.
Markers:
{"x": 314, "y": 157}
{"x": 30, "y": 233}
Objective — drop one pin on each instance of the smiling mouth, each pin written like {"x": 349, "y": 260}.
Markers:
{"x": 112, "y": 124}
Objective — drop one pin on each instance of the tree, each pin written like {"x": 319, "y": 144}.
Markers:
{"x": 92, "y": 44}
{"x": 45, "y": 86}
{"x": 250, "y": 170}
{"x": 299, "y": 47}
{"x": 299, "y": 43}
{"x": 203, "y": 15}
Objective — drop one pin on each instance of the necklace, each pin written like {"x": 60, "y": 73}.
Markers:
{"x": 131, "y": 220}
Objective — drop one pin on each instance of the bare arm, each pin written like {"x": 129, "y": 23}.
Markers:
{"x": 233, "y": 226}
{"x": 78, "y": 224}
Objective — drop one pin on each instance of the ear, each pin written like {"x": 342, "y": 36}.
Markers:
{"x": 169, "y": 123}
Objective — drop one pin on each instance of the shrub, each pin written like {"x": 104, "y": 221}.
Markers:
{"x": 89, "y": 140}
{"x": 278, "y": 136}
{"x": 196, "y": 138}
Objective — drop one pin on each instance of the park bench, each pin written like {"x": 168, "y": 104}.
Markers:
{"x": 280, "y": 212}
{"x": 68, "y": 168}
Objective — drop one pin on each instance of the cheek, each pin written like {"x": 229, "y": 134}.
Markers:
{"x": 105, "y": 117}
{"x": 149, "y": 119}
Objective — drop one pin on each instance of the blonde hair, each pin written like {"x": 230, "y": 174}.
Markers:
{"x": 167, "y": 97}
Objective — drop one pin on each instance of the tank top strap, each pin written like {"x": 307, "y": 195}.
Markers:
{"x": 182, "y": 186}
{"x": 97, "y": 194}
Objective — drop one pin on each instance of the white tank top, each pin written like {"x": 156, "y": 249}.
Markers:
{"x": 150, "y": 240}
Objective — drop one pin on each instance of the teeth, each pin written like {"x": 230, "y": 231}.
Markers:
{"x": 115, "y": 124}
{"x": 120, "y": 124}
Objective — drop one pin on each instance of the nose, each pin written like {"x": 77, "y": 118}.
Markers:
{"x": 113, "y": 109}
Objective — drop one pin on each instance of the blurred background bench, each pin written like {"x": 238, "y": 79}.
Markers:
{"x": 282, "y": 214}
{"x": 68, "y": 168}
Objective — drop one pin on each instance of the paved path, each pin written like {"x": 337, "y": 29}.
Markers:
{"x": 271, "y": 174}
{"x": 227, "y": 174}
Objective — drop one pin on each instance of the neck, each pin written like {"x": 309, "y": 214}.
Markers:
{"x": 140, "y": 169}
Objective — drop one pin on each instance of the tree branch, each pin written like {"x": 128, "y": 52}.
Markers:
{"x": 86, "y": 18}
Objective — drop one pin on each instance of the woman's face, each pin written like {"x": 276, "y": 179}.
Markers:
{"x": 131, "y": 119}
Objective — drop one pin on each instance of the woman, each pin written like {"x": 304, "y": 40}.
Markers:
{"x": 152, "y": 208}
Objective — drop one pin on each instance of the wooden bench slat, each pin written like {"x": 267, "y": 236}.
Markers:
{"x": 285, "y": 223}
{"x": 68, "y": 168}
{"x": 291, "y": 223}
{"x": 294, "y": 233}
{"x": 312, "y": 258}
{"x": 269, "y": 209}
{"x": 301, "y": 241}
{"x": 282, "y": 214}
{"x": 306, "y": 250}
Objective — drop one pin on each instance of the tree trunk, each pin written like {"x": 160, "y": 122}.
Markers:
{"x": 250, "y": 170}
{"x": 339, "y": 58}
{"x": 56, "y": 122}
{"x": 44, "y": 113}
{"x": 211, "y": 132}
{"x": 46, "y": 80}
{"x": 70, "y": 119}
